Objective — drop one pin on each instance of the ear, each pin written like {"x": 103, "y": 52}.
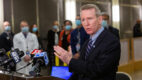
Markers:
{"x": 100, "y": 18}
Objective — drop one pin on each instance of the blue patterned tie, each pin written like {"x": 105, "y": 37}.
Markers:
{"x": 88, "y": 48}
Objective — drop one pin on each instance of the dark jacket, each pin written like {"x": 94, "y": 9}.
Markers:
{"x": 51, "y": 40}
{"x": 137, "y": 30}
{"x": 83, "y": 37}
{"x": 6, "y": 41}
{"x": 114, "y": 31}
{"x": 102, "y": 62}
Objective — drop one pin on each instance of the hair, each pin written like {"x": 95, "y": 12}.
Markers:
{"x": 67, "y": 21}
{"x": 91, "y": 6}
{"x": 105, "y": 14}
{"x": 23, "y": 22}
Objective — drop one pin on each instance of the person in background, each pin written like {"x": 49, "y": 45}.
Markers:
{"x": 6, "y": 38}
{"x": 26, "y": 42}
{"x": 78, "y": 37}
{"x": 105, "y": 23}
{"x": 137, "y": 29}
{"x": 34, "y": 29}
{"x": 100, "y": 54}
{"x": 52, "y": 39}
{"x": 65, "y": 34}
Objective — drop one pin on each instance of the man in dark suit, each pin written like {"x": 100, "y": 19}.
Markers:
{"x": 99, "y": 57}
{"x": 105, "y": 23}
{"x": 6, "y": 38}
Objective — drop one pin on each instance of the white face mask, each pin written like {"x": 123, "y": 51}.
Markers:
{"x": 104, "y": 23}
{"x": 25, "y": 29}
{"x": 7, "y": 28}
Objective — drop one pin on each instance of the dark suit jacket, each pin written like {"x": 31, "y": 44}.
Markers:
{"x": 102, "y": 62}
{"x": 114, "y": 31}
{"x": 6, "y": 41}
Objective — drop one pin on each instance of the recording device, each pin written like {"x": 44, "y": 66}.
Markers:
{"x": 35, "y": 51}
{"x": 39, "y": 60}
{"x": 9, "y": 62}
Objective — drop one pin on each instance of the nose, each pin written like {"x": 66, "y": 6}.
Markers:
{"x": 86, "y": 23}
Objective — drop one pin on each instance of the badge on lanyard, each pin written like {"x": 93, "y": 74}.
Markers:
{"x": 77, "y": 47}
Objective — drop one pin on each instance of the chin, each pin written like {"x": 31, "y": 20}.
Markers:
{"x": 90, "y": 33}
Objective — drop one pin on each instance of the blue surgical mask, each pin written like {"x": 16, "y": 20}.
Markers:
{"x": 68, "y": 27}
{"x": 7, "y": 28}
{"x": 55, "y": 27}
{"x": 35, "y": 29}
{"x": 78, "y": 22}
{"x": 25, "y": 29}
{"x": 104, "y": 23}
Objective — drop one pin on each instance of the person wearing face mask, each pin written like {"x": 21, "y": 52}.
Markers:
{"x": 52, "y": 39}
{"x": 78, "y": 37}
{"x": 26, "y": 42}
{"x": 105, "y": 24}
{"x": 64, "y": 39}
{"x": 34, "y": 29}
{"x": 6, "y": 38}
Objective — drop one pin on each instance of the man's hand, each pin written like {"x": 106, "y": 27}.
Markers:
{"x": 27, "y": 58}
{"x": 76, "y": 55}
{"x": 64, "y": 55}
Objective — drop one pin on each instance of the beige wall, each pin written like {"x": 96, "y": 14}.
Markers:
{"x": 1, "y": 15}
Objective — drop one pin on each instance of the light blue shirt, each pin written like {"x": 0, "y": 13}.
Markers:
{"x": 95, "y": 36}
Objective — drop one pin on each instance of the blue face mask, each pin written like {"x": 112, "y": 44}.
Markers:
{"x": 7, "y": 28}
{"x": 68, "y": 27}
{"x": 25, "y": 29}
{"x": 35, "y": 29}
{"x": 104, "y": 23}
{"x": 55, "y": 27}
{"x": 78, "y": 22}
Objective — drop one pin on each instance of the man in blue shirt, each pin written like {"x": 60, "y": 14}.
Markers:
{"x": 78, "y": 37}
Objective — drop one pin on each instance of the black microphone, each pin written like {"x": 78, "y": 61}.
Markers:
{"x": 2, "y": 51}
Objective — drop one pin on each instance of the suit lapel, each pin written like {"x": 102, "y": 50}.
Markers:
{"x": 97, "y": 43}
{"x": 83, "y": 50}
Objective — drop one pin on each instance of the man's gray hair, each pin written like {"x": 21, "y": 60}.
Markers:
{"x": 91, "y": 6}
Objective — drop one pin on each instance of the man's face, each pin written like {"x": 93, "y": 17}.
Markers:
{"x": 90, "y": 22}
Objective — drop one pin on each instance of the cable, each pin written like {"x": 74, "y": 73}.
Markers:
{"x": 23, "y": 67}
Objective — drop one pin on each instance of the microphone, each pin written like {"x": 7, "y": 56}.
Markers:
{"x": 35, "y": 51}
{"x": 16, "y": 55}
{"x": 2, "y": 51}
{"x": 42, "y": 56}
{"x": 40, "y": 59}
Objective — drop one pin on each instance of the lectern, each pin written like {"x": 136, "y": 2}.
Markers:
{"x": 18, "y": 76}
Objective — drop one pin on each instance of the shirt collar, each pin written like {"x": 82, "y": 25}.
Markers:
{"x": 95, "y": 36}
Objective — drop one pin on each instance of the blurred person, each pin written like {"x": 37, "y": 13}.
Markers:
{"x": 6, "y": 38}
{"x": 137, "y": 29}
{"x": 78, "y": 37}
{"x": 52, "y": 39}
{"x": 26, "y": 42}
{"x": 65, "y": 34}
{"x": 105, "y": 23}
{"x": 34, "y": 29}
{"x": 100, "y": 54}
